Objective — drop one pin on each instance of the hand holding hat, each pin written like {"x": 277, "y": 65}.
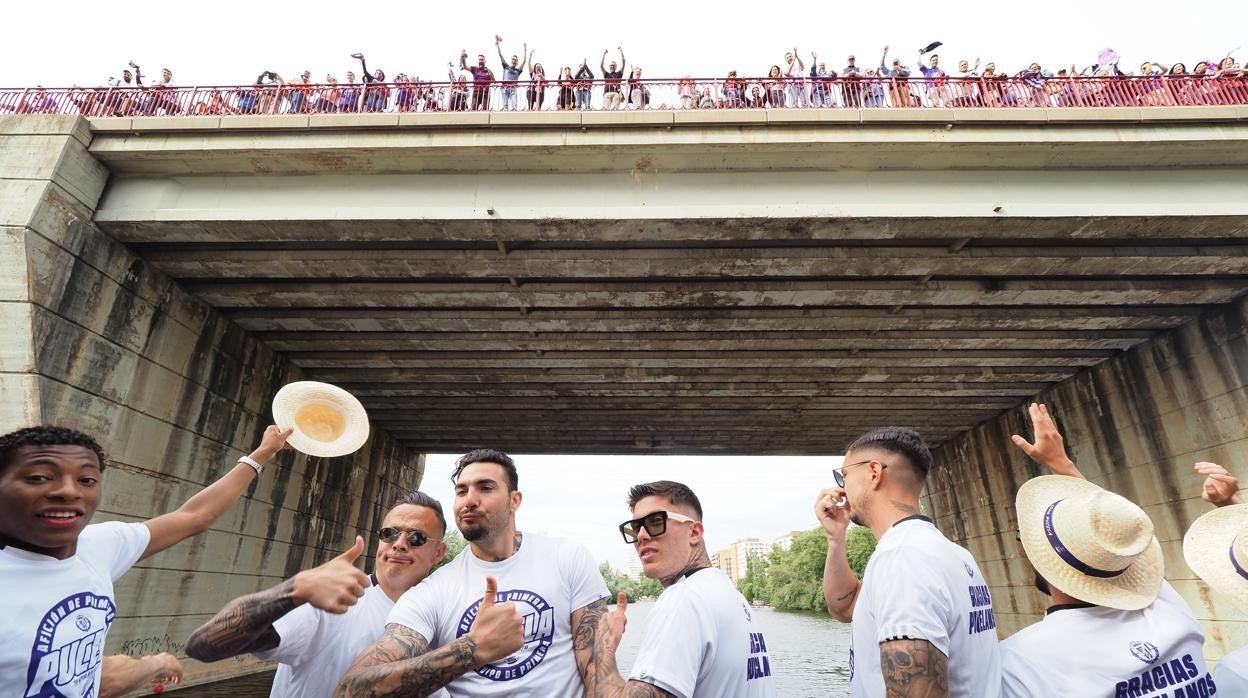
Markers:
{"x": 325, "y": 420}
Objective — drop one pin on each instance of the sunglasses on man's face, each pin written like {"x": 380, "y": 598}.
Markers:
{"x": 415, "y": 538}
{"x": 838, "y": 474}
{"x": 655, "y": 524}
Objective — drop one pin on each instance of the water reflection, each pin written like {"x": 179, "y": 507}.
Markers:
{"x": 809, "y": 651}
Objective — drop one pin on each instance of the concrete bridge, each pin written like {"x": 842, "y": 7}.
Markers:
{"x": 645, "y": 282}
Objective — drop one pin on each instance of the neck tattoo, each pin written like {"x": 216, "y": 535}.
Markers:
{"x": 698, "y": 560}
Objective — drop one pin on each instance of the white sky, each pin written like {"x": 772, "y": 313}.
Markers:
{"x": 584, "y": 497}
{"x": 229, "y": 42}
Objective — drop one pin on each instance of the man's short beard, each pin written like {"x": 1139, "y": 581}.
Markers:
{"x": 473, "y": 533}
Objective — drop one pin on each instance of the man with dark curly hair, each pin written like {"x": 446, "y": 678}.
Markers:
{"x": 58, "y": 571}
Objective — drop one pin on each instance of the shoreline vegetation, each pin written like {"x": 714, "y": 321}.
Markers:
{"x": 792, "y": 580}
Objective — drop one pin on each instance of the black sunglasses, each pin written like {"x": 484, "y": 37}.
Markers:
{"x": 415, "y": 538}
{"x": 838, "y": 474}
{"x": 655, "y": 524}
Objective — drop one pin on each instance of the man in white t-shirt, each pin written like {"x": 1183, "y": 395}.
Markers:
{"x": 1216, "y": 548}
{"x": 701, "y": 640}
{"x": 312, "y": 623}
{"x": 515, "y": 640}
{"x": 922, "y": 615}
{"x": 1116, "y": 628}
{"x": 58, "y": 572}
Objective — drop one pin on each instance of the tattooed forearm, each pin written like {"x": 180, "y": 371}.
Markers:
{"x": 401, "y": 664}
{"x": 914, "y": 669}
{"x": 606, "y": 679}
{"x": 244, "y": 625}
{"x": 584, "y": 629}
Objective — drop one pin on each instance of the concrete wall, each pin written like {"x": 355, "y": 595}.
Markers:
{"x": 1135, "y": 425}
{"x": 96, "y": 339}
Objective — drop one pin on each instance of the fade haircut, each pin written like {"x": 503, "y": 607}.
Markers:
{"x": 488, "y": 455}
{"x": 674, "y": 492}
{"x": 901, "y": 441}
{"x": 420, "y": 499}
{"x": 46, "y": 435}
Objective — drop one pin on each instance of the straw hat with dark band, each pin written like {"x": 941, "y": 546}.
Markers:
{"x": 1216, "y": 548}
{"x": 1090, "y": 543}
{"x": 327, "y": 420}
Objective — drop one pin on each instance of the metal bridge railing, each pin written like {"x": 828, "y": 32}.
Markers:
{"x": 542, "y": 94}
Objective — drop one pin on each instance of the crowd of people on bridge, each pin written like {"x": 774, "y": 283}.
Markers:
{"x": 523, "y": 614}
{"x": 521, "y": 82}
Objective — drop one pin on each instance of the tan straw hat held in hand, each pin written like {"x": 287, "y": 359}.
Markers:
{"x": 1092, "y": 544}
{"x": 1216, "y": 548}
{"x": 328, "y": 421}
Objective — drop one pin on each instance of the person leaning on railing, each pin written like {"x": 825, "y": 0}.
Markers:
{"x": 536, "y": 93}
{"x": 820, "y": 82}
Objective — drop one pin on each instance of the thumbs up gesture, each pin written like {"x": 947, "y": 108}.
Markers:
{"x": 611, "y": 627}
{"x": 498, "y": 630}
{"x": 334, "y": 586}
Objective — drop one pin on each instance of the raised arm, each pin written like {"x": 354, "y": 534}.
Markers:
{"x": 622, "y": 61}
{"x": 205, "y": 507}
{"x": 498, "y": 46}
{"x": 606, "y": 639}
{"x": 914, "y": 669}
{"x": 840, "y": 585}
{"x": 602, "y": 62}
{"x": 1220, "y": 487}
{"x": 246, "y": 623}
{"x": 401, "y": 663}
{"x": 528, "y": 62}
{"x": 1048, "y": 449}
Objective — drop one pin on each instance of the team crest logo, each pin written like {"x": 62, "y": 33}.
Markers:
{"x": 1144, "y": 651}
{"x": 69, "y": 644}
{"x": 539, "y": 634}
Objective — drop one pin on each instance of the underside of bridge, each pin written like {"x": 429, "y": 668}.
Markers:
{"x": 709, "y": 287}
{"x": 657, "y": 282}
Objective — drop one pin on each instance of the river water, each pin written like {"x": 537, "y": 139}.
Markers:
{"x": 809, "y": 655}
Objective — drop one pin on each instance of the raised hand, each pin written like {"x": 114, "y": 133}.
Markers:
{"x": 274, "y": 440}
{"x": 336, "y": 585}
{"x": 498, "y": 630}
{"x": 1220, "y": 487}
{"x": 611, "y": 627}
{"x": 1048, "y": 448}
{"x": 833, "y": 518}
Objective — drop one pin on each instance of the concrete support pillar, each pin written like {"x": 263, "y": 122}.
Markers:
{"x": 1134, "y": 424}
{"x": 94, "y": 338}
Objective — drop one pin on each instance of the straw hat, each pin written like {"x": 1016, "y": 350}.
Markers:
{"x": 328, "y": 421}
{"x": 1091, "y": 543}
{"x": 1216, "y": 548}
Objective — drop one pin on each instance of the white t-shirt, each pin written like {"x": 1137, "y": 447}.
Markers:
{"x": 547, "y": 580}
{"x": 318, "y": 647}
{"x": 1231, "y": 674}
{"x": 1091, "y": 651}
{"x": 920, "y": 585}
{"x": 56, "y": 613}
{"x": 701, "y": 642}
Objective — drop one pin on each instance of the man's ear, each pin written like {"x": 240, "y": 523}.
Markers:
{"x": 516, "y": 498}
{"x": 698, "y": 531}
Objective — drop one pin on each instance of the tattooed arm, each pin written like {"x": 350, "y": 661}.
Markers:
{"x": 401, "y": 663}
{"x": 584, "y": 628}
{"x": 606, "y": 638}
{"x": 246, "y": 623}
{"x": 914, "y": 669}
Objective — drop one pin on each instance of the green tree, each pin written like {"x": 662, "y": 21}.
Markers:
{"x": 753, "y": 586}
{"x": 618, "y": 581}
{"x": 795, "y": 576}
{"x": 859, "y": 544}
{"x": 648, "y": 587}
{"x": 454, "y": 544}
